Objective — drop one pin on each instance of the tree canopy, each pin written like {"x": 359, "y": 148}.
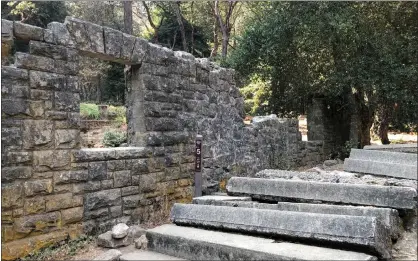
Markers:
{"x": 360, "y": 51}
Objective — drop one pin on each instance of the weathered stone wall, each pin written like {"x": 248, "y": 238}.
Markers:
{"x": 52, "y": 189}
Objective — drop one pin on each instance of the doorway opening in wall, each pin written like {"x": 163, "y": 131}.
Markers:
{"x": 303, "y": 127}
{"x": 102, "y": 110}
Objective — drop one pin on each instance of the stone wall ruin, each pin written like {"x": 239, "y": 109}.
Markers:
{"x": 52, "y": 189}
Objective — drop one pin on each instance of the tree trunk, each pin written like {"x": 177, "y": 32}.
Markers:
{"x": 365, "y": 119}
{"x": 383, "y": 128}
{"x": 127, "y": 16}
{"x": 225, "y": 42}
{"x": 214, "y": 51}
{"x": 179, "y": 17}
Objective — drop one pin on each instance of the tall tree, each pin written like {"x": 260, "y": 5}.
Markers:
{"x": 363, "y": 54}
{"x": 127, "y": 16}
{"x": 224, "y": 21}
{"x": 179, "y": 17}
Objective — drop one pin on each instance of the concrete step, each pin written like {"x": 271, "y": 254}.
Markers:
{"x": 201, "y": 244}
{"x": 384, "y": 156}
{"x": 357, "y": 231}
{"x": 389, "y": 217}
{"x": 395, "y": 170}
{"x": 406, "y": 148}
{"x": 146, "y": 255}
{"x": 206, "y": 200}
{"x": 309, "y": 191}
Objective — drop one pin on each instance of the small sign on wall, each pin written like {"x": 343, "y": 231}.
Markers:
{"x": 198, "y": 167}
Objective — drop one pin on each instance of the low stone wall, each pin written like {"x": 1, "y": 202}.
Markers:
{"x": 52, "y": 189}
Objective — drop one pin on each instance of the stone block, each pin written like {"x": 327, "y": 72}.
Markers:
{"x": 132, "y": 152}
{"x": 7, "y": 233}
{"x": 148, "y": 182}
{"x": 122, "y": 178}
{"x": 78, "y": 33}
{"x": 20, "y": 248}
{"x": 11, "y": 195}
{"x": 57, "y": 33}
{"x": 95, "y": 33}
{"x": 48, "y": 50}
{"x": 40, "y": 223}
{"x": 116, "y": 211}
{"x": 41, "y": 95}
{"x": 115, "y": 165}
{"x": 33, "y": 62}
{"x": 72, "y": 215}
{"x": 67, "y": 139}
{"x": 127, "y": 46}
{"x": 34, "y": 205}
{"x": 98, "y": 213}
{"x": 104, "y": 198}
{"x": 139, "y": 51}
{"x": 384, "y": 156}
{"x": 131, "y": 201}
{"x": 15, "y": 82}
{"x": 158, "y": 54}
{"x": 58, "y": 201}
{"x": 11, "y": 138}
{"x": 67, "y": 101}
{"x": 7, "y": 31}
{"x": 107, "y": 184}
{"x": 366, "y": 232}
{"x": 113, "y": 42}
{"x": 98, "y": 170}
{"x": 100, "y": 154}
{"x": 28, "y": 32}
{"x": 212, "y": 199}
{"x": 389, "y": 217}
{"x": 75, "y": 231}
{"x": 131, "y": 190}
{"x": 89, "y": 186}
{"x": 202, "y": 244}
{"x": 51, "y": 160}
{"x": 38, "y": 187}
{"x": 396, "y": 170}
{"x": 109, "y": 255}
{"x": 7, "y": 217}
{"x": 66, "y": 67}
{"x": 12, "y": 173}
{"x": 73, "y": 176}
{"x": 15, "y": 107}
{"x": 37, "y": 133}
{"x": 47, "y": 81}
{"x": 308, "y": 191}
{"x": 72, "y": 84}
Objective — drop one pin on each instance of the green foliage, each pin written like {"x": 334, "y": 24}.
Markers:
{"x": 114, "y": 85}
{"x": 114, "y": 138}
{"x": 169, "y": 32}
{"x": 38, "y": 13}
{"x": 365, "y": 51}
{"x": 118, "y": 113}
{"x": 89, "y": 111}
{"x": 256, "y": 96}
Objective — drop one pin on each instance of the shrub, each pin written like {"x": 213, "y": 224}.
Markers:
{"x": 89, "y": 111}
{"x": 114, "y": 138}
{"x": 118, "y": 113}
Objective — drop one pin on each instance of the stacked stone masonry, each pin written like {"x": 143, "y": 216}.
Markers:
{"x": 53, "y": 189}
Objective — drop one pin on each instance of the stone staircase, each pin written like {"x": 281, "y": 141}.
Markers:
{"x": 280, "y": 216}
{"x": 384, "y": 163}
